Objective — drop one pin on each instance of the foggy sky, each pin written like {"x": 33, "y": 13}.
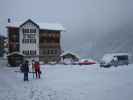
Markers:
{"x": 85, "y": 20}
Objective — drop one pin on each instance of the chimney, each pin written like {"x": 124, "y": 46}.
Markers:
{"x": 9, "y": 20}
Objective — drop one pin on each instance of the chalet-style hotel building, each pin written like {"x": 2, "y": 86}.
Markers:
{"x": 38, "y": 41}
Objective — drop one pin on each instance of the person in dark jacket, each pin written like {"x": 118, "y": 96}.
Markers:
{"x": 26, "y": 70}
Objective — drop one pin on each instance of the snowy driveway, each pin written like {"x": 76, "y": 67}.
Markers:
{"x": 69, "y": 82}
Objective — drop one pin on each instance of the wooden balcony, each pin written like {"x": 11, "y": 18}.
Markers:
{"x": 49, "y": 45}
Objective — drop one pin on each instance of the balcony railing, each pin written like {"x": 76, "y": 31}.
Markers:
{"x": 49, "y": 45}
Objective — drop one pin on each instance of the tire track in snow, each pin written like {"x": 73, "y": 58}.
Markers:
{"x": 37, "y": 92}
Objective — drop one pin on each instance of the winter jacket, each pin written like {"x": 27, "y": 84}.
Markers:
{"x": 25, "y": 67}
{"x": 37, "y": 66}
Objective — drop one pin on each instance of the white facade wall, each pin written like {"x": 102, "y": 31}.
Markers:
{"x": 29, "y": 46}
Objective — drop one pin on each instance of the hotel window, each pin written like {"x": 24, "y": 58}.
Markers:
{"x": 32, "y": 52}
{"x": 26, "y": 52}
{"x": 32, "y": 30}
{"x": 44, "y": 52}
{"x": 48, "y": 51}
{"x": 25, "y": 30}
{"x": 55, "y": 51}
{"x": 29, "y": 52}
{"x": 32, "y": 40}
{"x": 29, "y": 41}
{"x": 51, "y": 51}
{"x": 25, "y": 41}
{"x": 31, "y": 35}
{"x": 28, "y": 30}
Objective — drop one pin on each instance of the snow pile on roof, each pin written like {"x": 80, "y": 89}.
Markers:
{"x": 65, "y": 53}
{"x": 15, "y": 53}
{"x": 47, "y": 26}
{"x": 51, "y": 26}
{"x": 14, "y": 24}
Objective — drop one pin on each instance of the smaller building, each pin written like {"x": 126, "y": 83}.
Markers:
{"x": 69, "y": 57}
{"x": 15, "y": 59}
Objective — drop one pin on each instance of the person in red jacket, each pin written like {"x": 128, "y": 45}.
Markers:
{"x": 37, "y": 69}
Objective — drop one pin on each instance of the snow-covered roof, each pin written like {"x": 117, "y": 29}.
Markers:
{"x": 65, "y": 53}
{"x": 15, "y": 53}
{"x": 47, "y": 26}
{"x": 51, "y": 26}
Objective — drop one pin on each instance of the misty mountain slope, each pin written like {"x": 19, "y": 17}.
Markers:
{"x": 119, "y": 40}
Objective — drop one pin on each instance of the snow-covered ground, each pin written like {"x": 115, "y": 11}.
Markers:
{"x": 69, "y": 82}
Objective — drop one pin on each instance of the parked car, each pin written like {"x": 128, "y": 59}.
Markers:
{"x": 87, "y": 62}
{"x": 115, "y": 59}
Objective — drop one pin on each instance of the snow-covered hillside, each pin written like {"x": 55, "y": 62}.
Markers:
{"x": 69, "y": 82}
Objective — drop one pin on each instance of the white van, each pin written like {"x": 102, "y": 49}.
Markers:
{"x": 115, "y": 59}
